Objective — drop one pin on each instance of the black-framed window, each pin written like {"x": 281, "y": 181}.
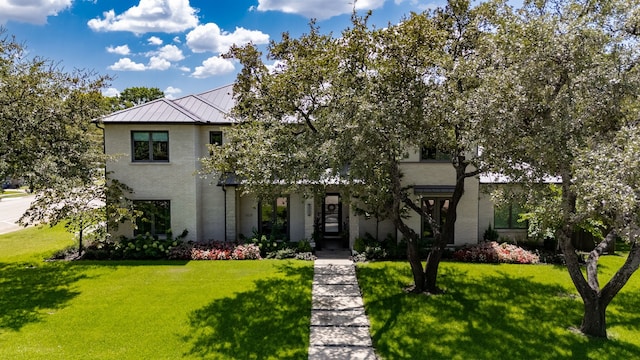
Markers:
{"x": 156, "y": 217}
{"x": 150, "y": 146}
{"x": 433, "y": 154}
{"x": 215, "y": 138}
{"x": 437, "y": 208}
{"x": 506, "y": 217}
{"x": 274, "y": 218}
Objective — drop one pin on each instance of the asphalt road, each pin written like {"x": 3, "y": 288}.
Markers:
{"x": 10, "y": 211}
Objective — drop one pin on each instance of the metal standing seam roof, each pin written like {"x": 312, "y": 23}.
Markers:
{"x": 209, "y": 107}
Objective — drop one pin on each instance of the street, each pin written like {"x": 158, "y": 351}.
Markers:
{"x": 10, "y": 211}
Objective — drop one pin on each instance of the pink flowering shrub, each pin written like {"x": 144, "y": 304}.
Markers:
{"x": 216, "y": 251}
{"x": 493, "y": 252}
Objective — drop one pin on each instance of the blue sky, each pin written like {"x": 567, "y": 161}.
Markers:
{"x": 174, "y": 45}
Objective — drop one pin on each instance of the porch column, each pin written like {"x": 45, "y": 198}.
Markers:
{"x": 354, "y": 226}
{"x": 309, "y": 216}
{"x": 231, "y": 211}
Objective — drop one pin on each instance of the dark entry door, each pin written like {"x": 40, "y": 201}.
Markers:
{"x": 332, "y": 215}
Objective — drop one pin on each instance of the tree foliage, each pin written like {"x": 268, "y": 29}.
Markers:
{"x": 346, "y": 110}
{"x": 564, "y": 93}
{"x": 139, "y": 95}
{"x": 48, "y": 138}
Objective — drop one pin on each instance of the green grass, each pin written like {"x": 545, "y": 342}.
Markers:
{"x": 494, "y": 312}
{"x": 148, "y": 310}
{"x": 9, "y": 193}
{"x": 33, "y": 244}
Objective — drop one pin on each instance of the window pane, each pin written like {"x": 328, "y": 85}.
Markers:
{"x": 156, "y": 217}
{"x": 215, "y": 137}
{"x": 266, "y": 218}
{"x": 516, "y": 210}
{"x": 160, "y": 136}
{"x": 161, "y": 151}
{"x": 141, "y": 150}
{"x": 162, "y": 217}
{"x": 501, "y": 217}
{"x": 140, "y": 136}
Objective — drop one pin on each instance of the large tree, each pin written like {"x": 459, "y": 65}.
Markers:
{"x": 351, "y": 108}
{"x": 564, "y": 93}
{"x": 48, "y": 138}
{"x": 46, "y": 132}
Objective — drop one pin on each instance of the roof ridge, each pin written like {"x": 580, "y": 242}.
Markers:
{"x": 186, "y": 111}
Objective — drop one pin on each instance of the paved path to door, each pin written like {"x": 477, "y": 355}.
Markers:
{"x": 339, "y": 325}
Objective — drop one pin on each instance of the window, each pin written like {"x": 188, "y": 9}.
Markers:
{"x": 437, "y": 207}
{"x": 274, "y": 218}
{"x": 215, "y": 138}
{"x": 433, "y": 154}
{"x": 150, "y": 145}
{"x": 156, "y": 217}
{"x": 506, "y": 217}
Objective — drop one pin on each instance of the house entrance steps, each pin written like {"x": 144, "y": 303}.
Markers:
{"x": 339, "y": 325}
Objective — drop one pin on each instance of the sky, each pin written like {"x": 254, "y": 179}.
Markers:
{"x": 174, "y": 45}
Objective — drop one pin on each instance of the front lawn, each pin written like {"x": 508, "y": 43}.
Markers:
{"x": 148, "y": 309}
{"x": 494, "y": 312}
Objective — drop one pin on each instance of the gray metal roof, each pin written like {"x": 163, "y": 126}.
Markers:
{"x": 209, "y": 107}
{"x": 222, "y": 97}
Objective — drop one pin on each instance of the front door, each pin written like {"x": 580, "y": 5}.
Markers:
{"x": 332, "y": 215}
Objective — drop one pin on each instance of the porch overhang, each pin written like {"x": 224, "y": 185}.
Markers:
{"x": 433, "y": 189}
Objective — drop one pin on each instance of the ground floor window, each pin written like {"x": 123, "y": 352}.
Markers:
{"x": 274, "y": 218}
{"x": 156, "y": 217}
{"x": 506, "y": 217}
{"x": 437, "y": 207}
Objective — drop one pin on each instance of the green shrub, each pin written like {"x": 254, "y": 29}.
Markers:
{"x": 490, "y": 234}
{"x": 142, "y": 246}
{"x": 303, "y": 246}
{"x": 285, "y": 253}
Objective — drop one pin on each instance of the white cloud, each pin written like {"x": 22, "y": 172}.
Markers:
{"x": 209, "y": 37}
{"x": 170, "y": 52}
{"x": 158, "y": 63}
{"x": 125, "y": 64}
{"x": 120, "y": 50}
{"x": 166, "y": 16}
{"x": 171, "y": 92}
{"x": 154, "y": 40}
{"x": 213, "y": 66}
{"x": 31, "y": 11}
{"x": 185, "y": 69}
{"x": 111, "y": 92}
{"x": 319, "y": 9}
{"x": 177, "y": 40}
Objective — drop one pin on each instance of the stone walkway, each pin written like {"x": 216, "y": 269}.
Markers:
{"x": 339, "y": 325}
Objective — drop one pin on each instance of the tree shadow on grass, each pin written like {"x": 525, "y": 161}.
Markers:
{"x": 269, "y": 322}
{"x": 493, "y": 317}
{"x": 29, "y": 289}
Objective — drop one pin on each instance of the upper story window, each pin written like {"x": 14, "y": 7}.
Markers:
{"x": 433, "y": 154}
{"x": 215, "y": 138}
{"x": 150, "y": 146}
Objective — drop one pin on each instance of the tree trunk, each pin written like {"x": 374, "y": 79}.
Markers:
{"x": 431, "y": 270}
{"x": 446, "y": 234}
{"x": 80, "y": 246}
{"x": 413, "y": 256}
{"x": 594, "y": 322}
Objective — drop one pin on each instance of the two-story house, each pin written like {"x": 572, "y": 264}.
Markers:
{"x": 159, "y": 144}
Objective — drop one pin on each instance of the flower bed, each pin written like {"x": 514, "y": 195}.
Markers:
{"x": 493, "y": 252}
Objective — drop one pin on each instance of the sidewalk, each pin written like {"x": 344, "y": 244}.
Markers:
{"x": 339, "y": 325}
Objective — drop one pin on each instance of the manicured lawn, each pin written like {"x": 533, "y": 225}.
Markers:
{"x": 494, "y": 312}
{"x": 148, "y": 310}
